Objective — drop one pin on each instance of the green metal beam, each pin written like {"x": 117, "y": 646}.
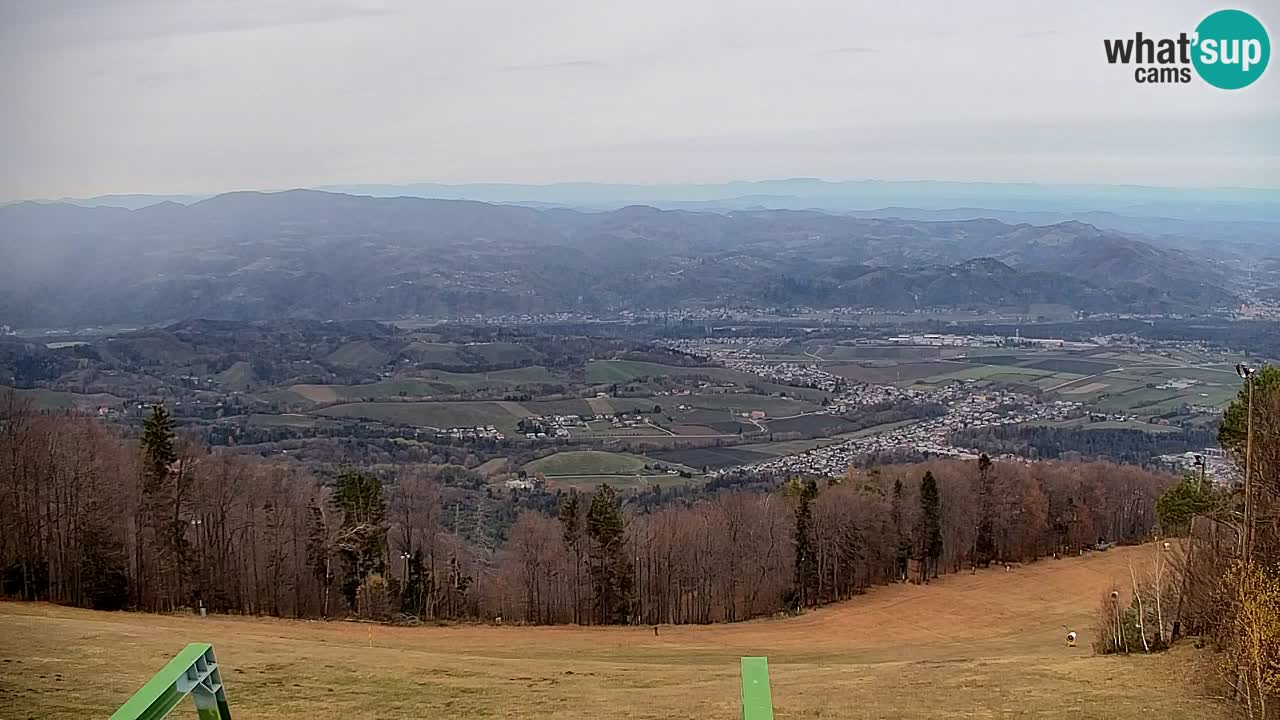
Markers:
{"x": 757, "y": 699}
{"x": 193, "y": 672}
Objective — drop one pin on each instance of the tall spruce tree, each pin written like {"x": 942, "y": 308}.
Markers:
{"x": 902, "y": 548}
{"x": 806, "y": 563}
{"x": 162, "y": 529}
{"x": 984, "y": 548}
{"x": 930, "y": 525}
{"x": 158, "y": 453}
{"x": 610, "y": 566}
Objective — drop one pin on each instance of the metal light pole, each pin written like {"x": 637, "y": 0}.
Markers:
{"x": 1246, "y": 541}
{"x": 195, "y": 524}
{"x": 1200, "y": 463}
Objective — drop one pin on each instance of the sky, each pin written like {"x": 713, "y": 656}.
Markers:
{"x": 202, "y": 96}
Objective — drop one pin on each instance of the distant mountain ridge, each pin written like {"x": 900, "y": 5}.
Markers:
{"x": 312, "y": 254}
{"x": 876, "y": 196}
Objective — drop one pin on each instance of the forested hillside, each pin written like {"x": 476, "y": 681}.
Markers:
{"x": 92, "y": 518}
{"x": 308, "y": 254}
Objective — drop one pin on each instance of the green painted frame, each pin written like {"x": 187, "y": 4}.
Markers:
{"x": 193, "y": 672}
{"x": 757, "y": 698}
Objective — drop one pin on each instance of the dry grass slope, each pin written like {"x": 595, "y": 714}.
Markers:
{"x": 984, "y": 645}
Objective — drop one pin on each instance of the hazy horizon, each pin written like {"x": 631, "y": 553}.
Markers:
{"x": 142, "y": 96}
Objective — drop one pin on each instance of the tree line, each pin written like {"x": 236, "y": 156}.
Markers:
{"x": 1222, "y": 581}
{"x": 1127, "y": 445}
{"x": 158, "y": 522}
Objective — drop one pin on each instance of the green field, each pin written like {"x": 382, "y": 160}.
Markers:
{"x": 283, "y": 420}
{"x": 58, "y": 400}
{"x": 430, "y": 383}
{"x": 622, "y": 371}
{"x": 1142, "y": 400}
{"x": 637, "y": 481}
{"x": 500, "y": 353}
{"x": 432, "y": 353}
{"x": 456, "y": 356}
{"x": 899, "y": 353}
{"x": 889, "y": 374}
{"x": 530, "y": 374}
{"x": 238, "y": 377}
{"x": 587, "y": 462}
{"x": 359, "y": 353}
{"x": 745, "y": 402}
{"x": 495, "y": 466}
{"x": 437, "y": 415}
{"x": 1003, "y": 373}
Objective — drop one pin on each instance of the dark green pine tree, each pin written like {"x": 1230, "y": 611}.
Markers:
{"x": 157, "y": 450}
{"x": 984, "y": 548}
{"x": 156, "y": 514}
{"x": 610, "y": 564}
{"x": 930, "y": 525}
{"x": 362, "y": 536}
{"x": 806, "y": 563}
{"x": 902, "y": 550}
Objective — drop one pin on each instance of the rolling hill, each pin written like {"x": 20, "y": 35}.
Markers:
{"x": 309, "y": 254}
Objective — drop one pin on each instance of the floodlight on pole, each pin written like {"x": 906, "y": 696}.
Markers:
{"x": 1246, "y": 373}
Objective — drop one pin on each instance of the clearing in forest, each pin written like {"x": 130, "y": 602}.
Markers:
{"x": 984, "y": 645}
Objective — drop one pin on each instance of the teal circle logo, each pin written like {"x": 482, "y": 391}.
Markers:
{"x": 1232, "y": 49}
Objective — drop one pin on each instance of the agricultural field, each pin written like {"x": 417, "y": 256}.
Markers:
{"x": 58, "y": 400}
{"x": 1001, "y": 373}
{"x": 637, "y": 481}
{"x": 890, "y": 374}
{"x": 983, "y": 645}
{"x": 587, "y": 462}
{"x": 623, "y": 371}
{"x": 711, "y": 457}
{"x": 899, "y": 353}
{"x": 360, "y": 353}
{"x": 454, "y": 356}
{"x": 283, "y": 420}
{"x": 431, "y": 353}
{"x": 238, "y": 377}
{"x": 505, "y": 415}
{"x": 428, "y": 414}
{"x": 500, "y": 353}
{"x": 496, "y": 466}
{"x": 1106, "y": 381}
{"x": 604, "y": 430}
{"x": 745, "y": 402}
{"x": 811, "y": 425}
{"x": 428, "y": 383}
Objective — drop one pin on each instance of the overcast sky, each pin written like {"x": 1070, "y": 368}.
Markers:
{"x": 180, "y": 96}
